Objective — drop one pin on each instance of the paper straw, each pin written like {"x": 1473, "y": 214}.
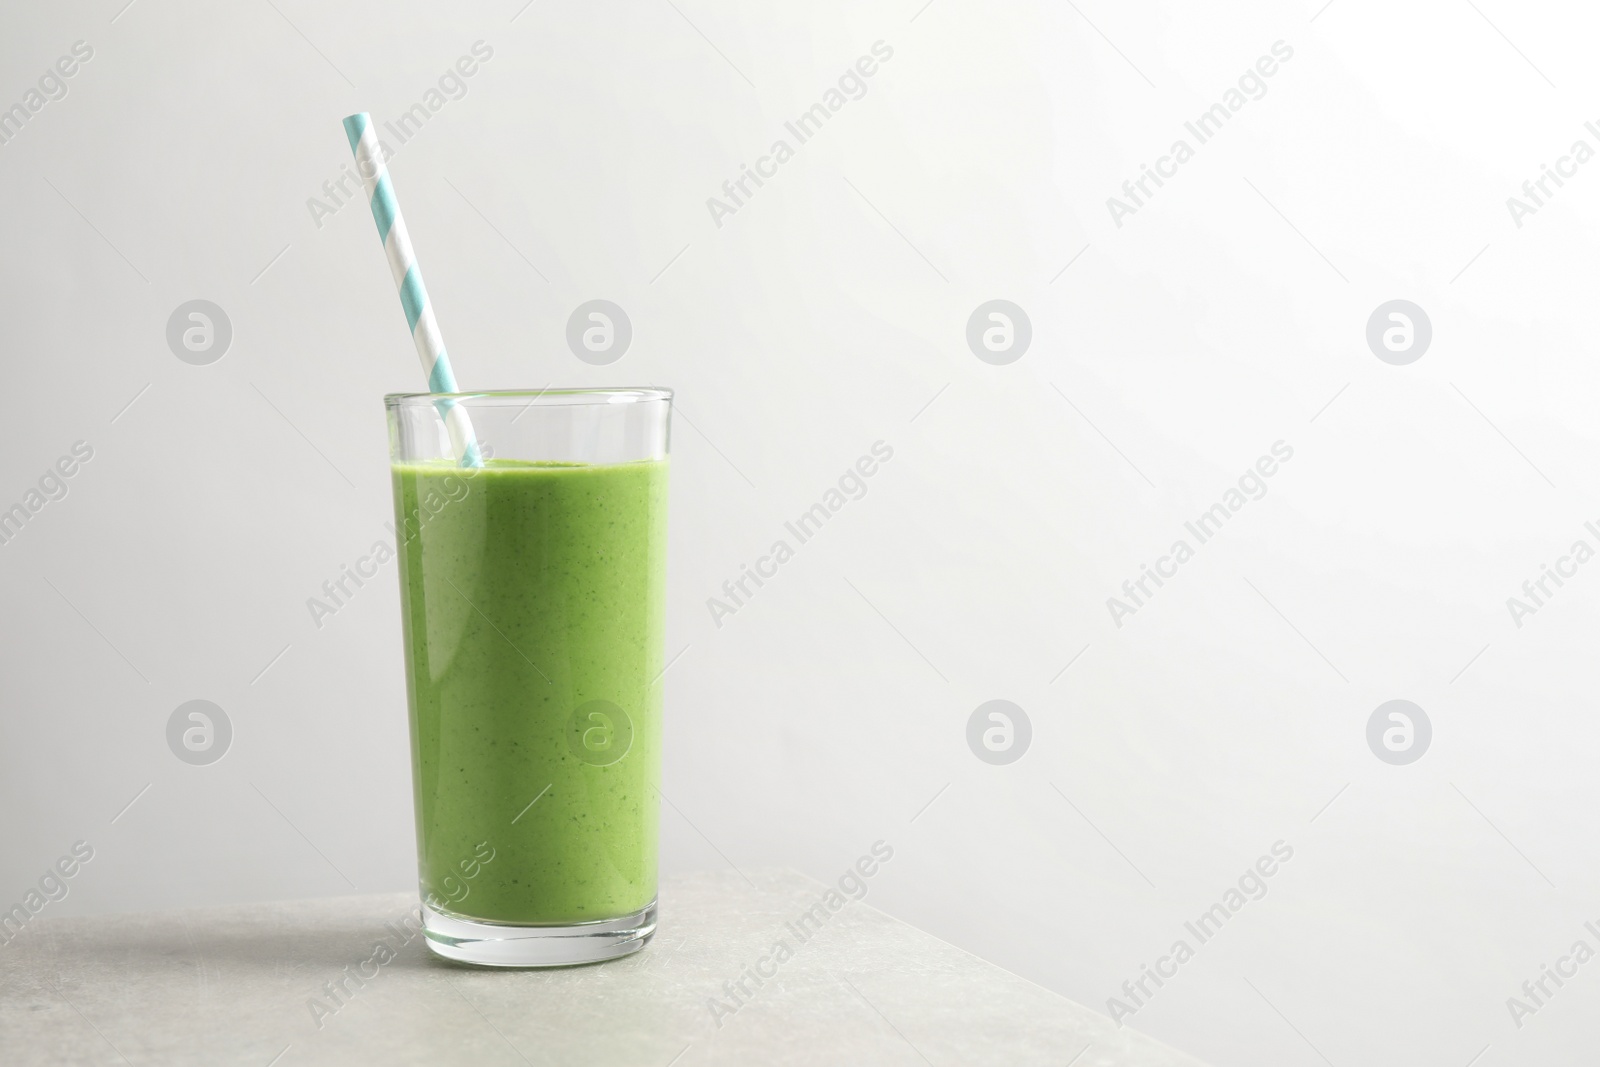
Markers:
{"x": 408, "y": 278}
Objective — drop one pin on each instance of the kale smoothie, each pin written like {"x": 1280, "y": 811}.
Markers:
{"x": 533, "y": 601}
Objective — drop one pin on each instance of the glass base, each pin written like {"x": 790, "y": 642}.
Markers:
{"x": 489, "y": 944}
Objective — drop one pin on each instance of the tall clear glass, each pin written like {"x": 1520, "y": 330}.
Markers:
{"x": 532, "y": 594}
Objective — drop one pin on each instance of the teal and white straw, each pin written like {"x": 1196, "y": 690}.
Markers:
{"x": 408, "y": 277}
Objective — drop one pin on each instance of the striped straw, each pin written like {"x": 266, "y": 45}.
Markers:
{"x": 408, "y": 277}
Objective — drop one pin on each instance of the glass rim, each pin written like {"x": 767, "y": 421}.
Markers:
{"x": 570, "y": 397}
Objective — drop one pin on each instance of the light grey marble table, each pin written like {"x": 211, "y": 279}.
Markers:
{"x": 239, "y": 985}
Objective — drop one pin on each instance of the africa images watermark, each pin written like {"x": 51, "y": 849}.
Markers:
{"x": 1203, "y": 528}
{"x": 852, "y": 886}
{"x": 1536, "y": 992}
{"x": 852, "y": 485}
{"x": 347, "y": 185}
{"x": 1203, "y": 128}
{"x": 52, "y": 887}
{"x": 1252, "y": 885}
{"x": 337, "y": 592}
{"x": 52, "y": 486}
{"x": 457, "y": 888}
{"x": 1566, "y": 167}
{"x": 338, "y": 992}
{"x": 1536, "y": 591}
{"x": 52, "y": 86}
{"x": 806, "y": 126}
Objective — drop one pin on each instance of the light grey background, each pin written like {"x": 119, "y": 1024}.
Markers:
{"x": 830, "y": 312}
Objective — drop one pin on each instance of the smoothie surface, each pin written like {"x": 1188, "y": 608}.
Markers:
{"x": 533, "y": 599}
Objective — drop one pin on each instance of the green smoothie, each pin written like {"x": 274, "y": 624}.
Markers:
{"x": 533, "y": 602}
